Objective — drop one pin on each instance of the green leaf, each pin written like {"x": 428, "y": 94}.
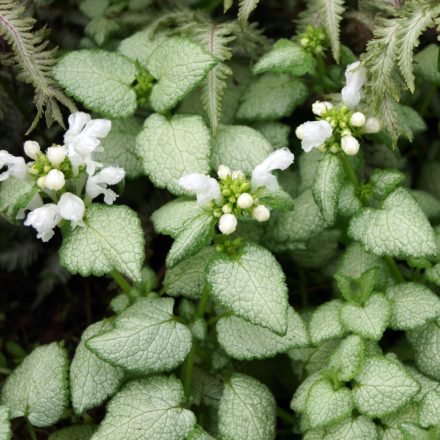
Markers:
{"x": 400, "y": 229}
{"x": 197, "y": 234}
{"x": 93, "y": 8}
{"x": 286, "y": 57}
{"x": 275, "y": 132}
{"x": 429, "y": 204}
{"x": 246, "y": 410}
{"x": 389, "y": 429}
{"x": 325, "y": 323}
{"x": 271, "y": 97}
{"x": 199, "y": 434}
{"x": 299, "y": 399}
{"x": 382, "y": 387}
{"x": 348, "y": 358}
{"x": 243, "y": 340}
{"x": 89, "y": 75}
{"x": 245, "y": 9}
{"x": 258, "y": 277}
{"x": 112, "y": 239}
{"x": 91, "y": 379}
{"x": 358, "y": 428}
{"x": 425, "y": 65}
{"x": 172, "y": 147}
{"x": 327, "y": 186}
{"x": 33, "y": 393}
{"x": 152, "y": 408}
{"x": 146, "y": 338}
{"x": 187, "y": 278}
{"x": 254, "y": 148}
{"x": 413, "y": 432}
{"x": 173, "y": 217}
{"x": 385, "y": 182}
{"x": 119, "y": 147}
{"x": 332, "y": 11}
{"x": 326, "y": 406}
{"x": 430, "y": 410}
{"x": 357, "y": 290}
{"x": 369, "y": 320}
{"x": 76, "y": 432}
{"x": 5, "y": 426}
{"x": 308, "y": 167}
{"x": 433, "y": 274}
{"x": 412, "y": 305}
{"x": 348, "y": 202}
{"x": 277, "y": 200}
{"x": 179, "y": 65}
{"x": 409, "y": 118}
{"x": 15, "y": 194}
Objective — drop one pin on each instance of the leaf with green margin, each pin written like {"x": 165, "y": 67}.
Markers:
{"x": 430, "y": 410}
{"x": 410, "y": 118}
{"x": 246, "y": 410}
{"x": 15, "y": 194}
{"x": 432, "y": 274}
{"x": 326, "y": 406}
{"x": 179, "y": 65}
{"x": 358, "y": 428}
{"x": 425, "y": 65}
{"x": 286, "y": 57}
{"x": 271, "y": 97}
{"x": 33, "y": 393}
{"x": 348, "y": 202}
{"x": 119, "y": 147}
{"x": 400, "y": 229}
{"x": 385, "y": 182}
{"x": 100, "y": 80}
{"x": 152, "y": 408}
{"x": 324, "y": 323}
{"x": 299, "y": 399}
{"x": 111, "y": 239}
{"x": 91, "y": 379}
{"x": 382, "y": 387}
{"x": 279, "y": 200}
{"x": 429, "y": 204}
{"x": 5, "y": 426}
{"x": 412, "y": 305}
{"x": 308, "y": 167}
{"x": 199, "y": 434}
{"x": 369, "y": 320}
{"x": 239, "y": 147}
{"x": 389, "y": 426}
{"x": 427, "y": 384}
{"x": 327, "y": 186}
{"x": 172, "y": 147}
{"x": 275, "y": 132}
{"x": 260, "y": 281}
{"x": 413, "y": 432}
{"x": 146, "y": 338}
{"x": 348, "y": 358}
{"x": 76, "y": 432}
{"x": 187, "y": 278}
{"x": 197, "y": 234}
{"x": 243, "y": 340}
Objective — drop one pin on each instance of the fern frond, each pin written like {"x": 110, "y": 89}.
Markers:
{"x": 33, "y": 60}
{"x": 332, "y": 11}
{"x": 310, "y": 16}
{"x": 245, "y": 9}
{"x": 251, "y": 42}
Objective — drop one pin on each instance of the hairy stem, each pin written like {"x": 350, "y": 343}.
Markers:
{"x": 285, "y": 416}
{"x": 31, "y": 430}
{"x": 122, "y": 282}
{"x": 349, "y": 171}
{"x": 394, "y": 269}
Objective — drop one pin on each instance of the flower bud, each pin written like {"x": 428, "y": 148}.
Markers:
{"x": 32, "y": 149}
{"x": 56, "y": 155}
{"x": 357, "y": 119}
{"x": 318, "y": 107}
{"x": 261, "y": 213}
{"x": 41, "y": 182}
{"x": 55, "y": 180}
{"x": 227, "y": 224}
{"x": 372, "y": 125}
{"x": 223, "y": 172}
{"x": 304, "y": 41}
{"x": 245, "y": 201}
{"x": 349, "y": 145}
{"x": 237, "y": 175}
{"x": 299, "y": 132}
{"x": 226, "y": 209}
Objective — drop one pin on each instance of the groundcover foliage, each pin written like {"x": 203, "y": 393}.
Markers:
{"x": 228, "y": 227}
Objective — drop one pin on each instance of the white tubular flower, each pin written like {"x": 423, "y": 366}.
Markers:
{"x": 357, "y": 119}
{"x": 55, "y": 180}
{"x": 16, "y": 166}
{"x": 227, "y": 224}
{"x": 261, "y": 213}
{"x": 32, "y": 149}
{"x": 204, "y": 187}
{"x": 262, "y": 174}
{"x": 83, "y": 138}
{"x": 98, "y": 183}
{"x": 319, "y": 107}
{"x": 349, "y": 145}
{"x": 44, "y": 220}
{"x": 245, "y": 201}
{"x": 223, "y": 172}
{"x": 355, "y": 79}
{"x": 372, "y": 125}
{"x": 56, "y": 155}
{"x": 313, "y": 134}
{"x": 72, "y": 208}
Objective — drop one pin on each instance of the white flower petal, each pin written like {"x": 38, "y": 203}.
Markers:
{"x": 72, "y": 208}
{"x": 355, "y": 79}
{"x": 98, "y": 183}
{"x": 56, "y": 154}
{"x": 206, "y": 188}
{"x": 16, "y": 166}
{"x": 227, "y": 224}
{"x": 55, "y": 180}
{"x": 32, "y": 149}
{"x": 314, "y": 134}
{"x": 44, "y": 220}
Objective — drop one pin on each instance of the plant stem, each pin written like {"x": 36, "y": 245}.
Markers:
{"x": 394, "y": 269}
{"x": 31, "y": 430}
{"x": 349, "y": 171}
{"x": 285, "y": 416}
{"x": 122, "y": 282}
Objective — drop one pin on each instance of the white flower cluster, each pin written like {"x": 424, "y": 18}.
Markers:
{"x": 337, "y": 124}
{"x": 233, "y": 194}
{"x": 62, "y": 173}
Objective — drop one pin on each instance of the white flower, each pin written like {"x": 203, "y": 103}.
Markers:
{"x": 349, "y": 145}
{"x": 16, "y": 166}
{"x": 32, "y": 149}
{"x": 56, "y": 155}
{"x": 357, "y": 119}
{"x": 313, "y": 134}
{"x": 262, "y": 174}
{"x": 227, "y": 224}
{"x": 245, "y": 201}
{"x": 372, "y": 125}
{"x": 223, "y": 172}
{"x": 55, "y": 180}
{"x": 44, "y": 220}
{"x": 261, "y": 213}
{"x": 204, "y": 187}
{"x": 83, "y": 138}
{"x": 319, "y": 107}
{"x": 355, "y": 78}
{"x": 98, "y": 183}
{"x": 72, "y": 208}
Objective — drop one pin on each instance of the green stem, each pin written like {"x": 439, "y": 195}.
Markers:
{"x": 201, "y": 308}
{"x": 285, "y": 416}
{"x": 349, "y": 171}
{"x": 122, "y": 282}
{"x": 31, "y": 430}
{"x": 394, "y": 269}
